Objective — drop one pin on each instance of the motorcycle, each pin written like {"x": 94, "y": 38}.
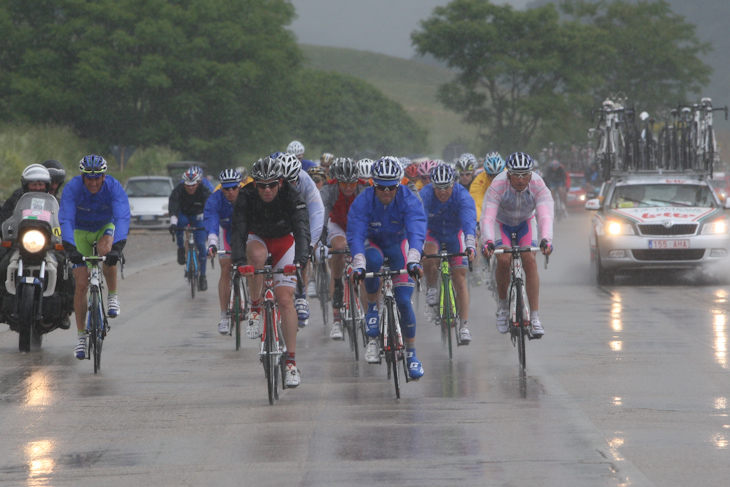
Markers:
{"x": 33, "y": 306}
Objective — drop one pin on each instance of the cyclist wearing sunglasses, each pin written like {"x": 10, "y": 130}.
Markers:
{"x": 337, "y": 197}
{"x": 186, "y": 205}
{"x": 271, "y": 217}
{"x": 94, "y": 208}
{"x": 387, "y": 220}
{"x": 452, "y": 220}
{"x": 510, "y": 205}
{"x": 217, "y": 217}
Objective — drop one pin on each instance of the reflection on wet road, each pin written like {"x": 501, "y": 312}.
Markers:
{"x": 629, "y": 387}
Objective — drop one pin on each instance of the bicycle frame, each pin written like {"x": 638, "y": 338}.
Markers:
{"x": 192, "y": 266}
{"x": 97, "y": 324}
{"x": 352, "y": 316}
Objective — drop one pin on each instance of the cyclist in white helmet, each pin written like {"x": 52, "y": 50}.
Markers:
{"x": 296, "y": 148}
{"x": 510, "y": 205}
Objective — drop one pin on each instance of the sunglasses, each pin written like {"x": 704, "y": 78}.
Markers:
{"x": 271, "y": 185}
{"x": 386, "y": 189}
{"x": 443, "y": 188}
{"x": 232, "y": 188}
{"x": 520, "y": 175}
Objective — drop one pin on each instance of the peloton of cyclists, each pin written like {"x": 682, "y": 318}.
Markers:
{"x": 270, "y": 216}
{"x": 387, "y": 220}
{"x": 510, "y": 205}
{"x": 337, "y": 197}
{"x": 93, "y": 208}
{"x": 451, "y": 220}
{"x": 186, "y": 206}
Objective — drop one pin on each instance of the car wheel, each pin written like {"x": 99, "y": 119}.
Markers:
{"x": 604, "y": 277}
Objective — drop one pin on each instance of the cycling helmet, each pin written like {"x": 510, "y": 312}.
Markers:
{"x": 412, "y": 171}
{"x": 387, "y": 171}
{"x": 295, "y": 148}
{"x": 92, "y": 166}
{"x": 35, "y": 173}
{"x": 326, "y": 158}
{"x": 317, "y": 172}
{"x": 519, "y": 162}
{"x": 230, "y": 178}
{"x": 290, "y": 166}
{"x": 555, "y": 163}
{"x": 192, "y": 176}
{"x": 442, "y": 175}
{"x": 493, "y": 163}
{"x": 366, "y": 168}
{"x": 425, "y": 167}
{"x": 56, "y": 170}
{"x": 405, "y": 162}
{"x": 276, "y": 154}
{"x": 466, "y": 162}
{"x": 266, "y": 169}
{"x": 347, "y": 170}
{"x": 243, "y": 171}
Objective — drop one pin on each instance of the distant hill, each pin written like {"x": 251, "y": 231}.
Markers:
{"x": 410, "y": 83}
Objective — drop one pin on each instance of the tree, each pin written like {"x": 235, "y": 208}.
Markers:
{"x": 202, "y": 76}
{"x": 348, "y": 116}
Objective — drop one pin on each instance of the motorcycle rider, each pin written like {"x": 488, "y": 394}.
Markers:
{"x": 58, "y": 175}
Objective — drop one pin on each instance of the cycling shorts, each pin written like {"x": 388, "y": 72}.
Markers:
{"x": 555, "y": 184}
{"x": 282, "y": 253}
{"x": 453, "y": 245}
{"x": 526, "y": 232}
{"x": 334, "y": 230}
{"x": 225, "y": 244}
{"x": 396, "y": 254}
{"x": 85, "y": 239}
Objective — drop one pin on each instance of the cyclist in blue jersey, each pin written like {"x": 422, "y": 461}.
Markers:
{"x": 387, "y": 220}
{"x": 217, "y": 217}
{"x": 452, "y": 219}
{"x": 94, "y": 208}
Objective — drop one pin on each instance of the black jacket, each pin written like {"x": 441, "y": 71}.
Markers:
{"x": 182, "y": 202}
{"x": 287, "y": 213}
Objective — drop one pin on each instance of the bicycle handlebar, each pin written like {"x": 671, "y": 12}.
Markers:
{"x": 521, "y": 250}
{"x": 446, "y": 255}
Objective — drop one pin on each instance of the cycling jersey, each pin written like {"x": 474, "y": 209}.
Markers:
{"x": 217, "y": 214}
{"x": 386, "y": 226}
{"x": 311, "y": 195}
{"x": 181, "y": 202}
{"x": 336, "y": 204}
{"x": 505, "y": 205}
{"x": 478, "y": 189}
{"x": 446, "y": 220}
{"x": 286, "y": 213}
{"x": 82, "y": 210}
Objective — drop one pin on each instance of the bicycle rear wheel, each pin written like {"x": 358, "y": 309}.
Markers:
{"x": 236, "y": 315}
{"x": 95, "y": 329}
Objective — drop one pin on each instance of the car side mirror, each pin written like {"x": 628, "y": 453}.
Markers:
{"x": 593, "y": 204}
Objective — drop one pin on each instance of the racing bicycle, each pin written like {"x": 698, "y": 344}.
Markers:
{"x": 322, "y": 282}
{"x": 192, "y": 266}
{"x": 447, "y": 311}
{"x": 238, "y": 301}
{"x": 352, "y": 313}
{"x": 519, "y": 306}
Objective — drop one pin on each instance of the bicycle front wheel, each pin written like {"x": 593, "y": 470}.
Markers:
{"x": 95, "y": 328}
{"x": 520, "y": 324}
{"x": 192, "y": 273}
{"x": 236, "y": 315}
{"x": 391, "y": 344}
{"x": 269, "y": 348}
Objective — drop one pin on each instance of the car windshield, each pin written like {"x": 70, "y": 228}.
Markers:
{"x": 149, "y": 188}
{"x": 660, "y": 195}
{"x": 577, "y": 182}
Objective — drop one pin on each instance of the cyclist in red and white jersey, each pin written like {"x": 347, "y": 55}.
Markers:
{"x": 510, "y": 205}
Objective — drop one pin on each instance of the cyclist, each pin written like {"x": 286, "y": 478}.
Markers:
{"x": 556, "y": 179}
{"x": 205, "y": 181}
{"x": 465, "y": 167}
{"x": 424, "y": 173}
{"x": 34, "y": 178}
{"x": 186, "y": 206}
{"x": 387, "y": 220}
{"x": 493, "y": 165}
{"x": 366, "y": 169}
{"x": 318, "y": 175}
{"x": 291, "y": 171}
{"x": 337, "y": 197}
{"x": 511, "y": 202}
{"x": 58, "y": 175}
{"x": 296, "y": 148}
{"x": 93, "y": 208}
{"x": 217, "y": 217}
{"x": 325, "y": 161}
{"x": 452, "y": 220}
{"x": 271, "y": 216}
{"x": 245, "y": 178}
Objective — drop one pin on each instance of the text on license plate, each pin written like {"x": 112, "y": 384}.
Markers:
{"x": 669, "y": 244}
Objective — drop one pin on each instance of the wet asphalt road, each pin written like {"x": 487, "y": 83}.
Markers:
{"x": 629, "y": 387}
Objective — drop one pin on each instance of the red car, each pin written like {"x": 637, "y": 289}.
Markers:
{"x": 576, "y": 191}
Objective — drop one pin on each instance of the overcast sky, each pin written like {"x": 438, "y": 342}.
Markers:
{"x": 382, "y": 26}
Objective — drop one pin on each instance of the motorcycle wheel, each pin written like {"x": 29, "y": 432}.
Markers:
{"x": 27, "y": 317}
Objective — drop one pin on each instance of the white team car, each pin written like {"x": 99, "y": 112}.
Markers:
{"x": 148, "y": 201}
{"x": 656, "y": 221}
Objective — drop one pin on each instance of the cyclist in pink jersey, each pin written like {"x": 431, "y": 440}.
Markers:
{"x": 510, "y": 205}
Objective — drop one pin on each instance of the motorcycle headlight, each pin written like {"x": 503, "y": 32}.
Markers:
{"x": 718, "y": 227}
{"x": 619, "y": 228}
{"x": 33, "y": 241}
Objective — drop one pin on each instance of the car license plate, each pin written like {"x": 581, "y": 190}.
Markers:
{"x": 669, "y": 244}
{"x": 147, "y": 217}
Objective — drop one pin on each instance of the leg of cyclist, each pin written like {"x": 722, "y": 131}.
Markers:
{"x": 337, "y": 264}
{"x": 224, "y": 292}
{"x": 182, "y": 220}
{"x": 431, "y": 270}
{"x": 462, "y": 301}
{"x": 200, "y": 239}
{"x": 284, "y": 292}
{"x": 374, "y": 261}
{"x": 103, "y": 247}
{"x": 532, "y": 285}
{"x": 256, "y": 254}
{"x": 81, "y": 275}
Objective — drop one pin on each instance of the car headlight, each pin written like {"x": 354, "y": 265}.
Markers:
{"x": 718, "y": 227}
{"x": 614, "y": 227}
{"x": 33, "y": 241}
